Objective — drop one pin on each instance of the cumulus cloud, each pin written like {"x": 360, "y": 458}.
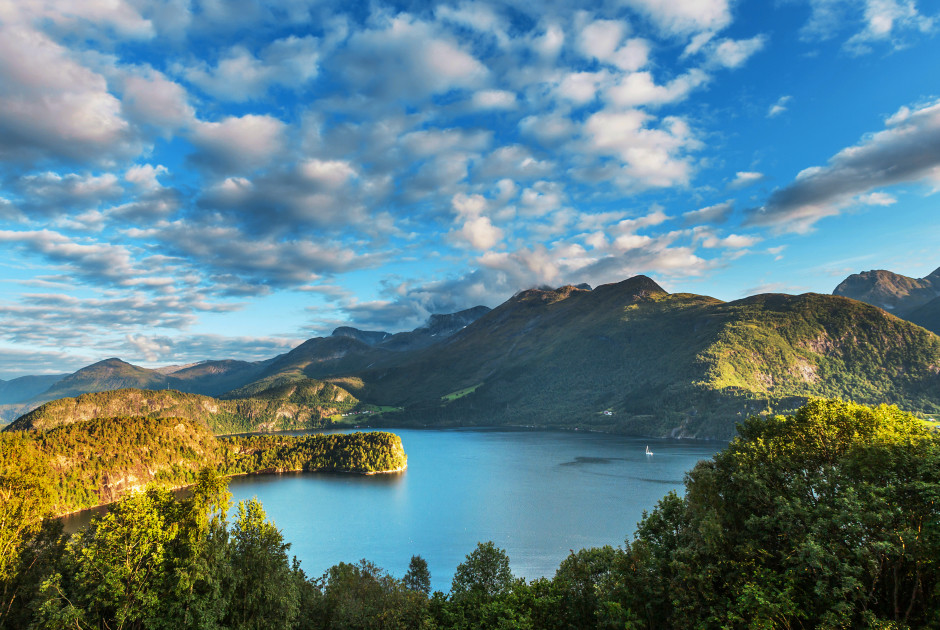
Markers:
{"x": 239, "y": 75}
{"x": 904, "y": 152}
{"x": 684, "y": 17}
{"x": 494, "y": 99}
{"x": 51, "y": 106}
{"x": 98, "y": 263}
{"x": 639, "y": 89}
{"x": 49, "y": 193}
{"x": 476, "y": 228}
{"x": 274, "y": 262}
{"x": 405, "y": 58}
{"x": 150, "y": 98}
{"x": 650, "y": 156}
{"x": 730, "y": 53}
{"x": 239, "y": 144}
{"x": 732, "y": 241}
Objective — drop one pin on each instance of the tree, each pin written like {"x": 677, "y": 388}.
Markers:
{"x": 418, "y": 578}
{"x": 264, "y": 588}
{"x": 483, "y": 575}
{"x": 114, "y": 573}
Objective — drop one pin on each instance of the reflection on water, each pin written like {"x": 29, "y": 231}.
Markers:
{"x": 591, "y": 460}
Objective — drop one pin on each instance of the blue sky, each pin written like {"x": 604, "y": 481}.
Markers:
{"x": 206, "y": 179}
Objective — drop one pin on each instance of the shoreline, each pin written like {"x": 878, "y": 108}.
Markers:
{"x": 266, "y": 471}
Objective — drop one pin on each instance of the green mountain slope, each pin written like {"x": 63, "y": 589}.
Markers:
{"x": 302, "y": 404}
{"x": 660, "y": 364}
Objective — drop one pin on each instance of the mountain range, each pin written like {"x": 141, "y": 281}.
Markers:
{"x": 626, "y": 357}
{"x": 914, "y": 299}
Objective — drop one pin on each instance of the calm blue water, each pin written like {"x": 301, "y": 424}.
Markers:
{"x": 536, "y": 494}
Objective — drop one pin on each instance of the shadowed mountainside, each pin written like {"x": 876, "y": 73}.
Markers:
{"x": 631, "y": 357}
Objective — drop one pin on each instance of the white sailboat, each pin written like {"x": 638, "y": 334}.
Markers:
{"x": 648, "y": 451}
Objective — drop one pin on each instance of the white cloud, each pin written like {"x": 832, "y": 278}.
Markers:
{"x": 549, "y": 129}
{"x": 876, "y": 199}
{"x": 51, "y": 106}
{"x": 875, "y": 22}
{"x": 743, "y": 179}
{"x": 779, "y": 107}
{"x": 638, "y": 89}
{"x": 904, "y": 152}
{"x": 732, "y": 241}
{"x": 239, "y": 143}
{"x": 144, "y": 176}
{"x": 683, "y": 17}
{"x": 152, "y": 99}
{"x": 651, "y": 157}
{"x": 494, "y": 99}
{"x": 731, "y": 53}
{"x": 402, "y": 57}
{"x": 241, "y": 76}
{"x": 600, "y": 38}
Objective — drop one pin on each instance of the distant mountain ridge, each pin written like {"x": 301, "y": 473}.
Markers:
{"x": 19, "y": 390}
{"x": 626, "y": 357}
{"x": 437, "y": 328}
{"x": 914, "y": 299}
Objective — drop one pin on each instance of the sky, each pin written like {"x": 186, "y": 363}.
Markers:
{"x": 183, "y": 180}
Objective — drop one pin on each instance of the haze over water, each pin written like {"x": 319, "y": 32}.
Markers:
{"x": 536, "y": 494}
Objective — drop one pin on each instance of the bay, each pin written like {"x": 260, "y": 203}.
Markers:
{"x": 536, "y": 494}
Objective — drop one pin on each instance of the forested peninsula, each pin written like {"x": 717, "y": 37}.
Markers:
{"x": 826, "y": 518}
{"x": 97, "y": 461}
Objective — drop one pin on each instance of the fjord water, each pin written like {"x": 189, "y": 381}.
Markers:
{"x": 536, "y": 494}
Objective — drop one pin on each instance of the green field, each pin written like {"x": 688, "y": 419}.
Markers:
{"x": 460, "y": 393}
{"x": 362, "y": 414}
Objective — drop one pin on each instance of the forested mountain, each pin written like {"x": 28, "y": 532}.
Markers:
{"x": 631, "y": 357}
{"x": 914, "y": 299}
{"x": 300, "y": 404}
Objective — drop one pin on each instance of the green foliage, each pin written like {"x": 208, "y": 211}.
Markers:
{"x": 85, "y": 464}
{"x": 158, "y": 562}
{"x": 418, "y": 577}
{"x": 827, "y": 518}
{"x": 483, "y": 575}
{"x": 89, "y": 463}
{"x": 371, "y": 452}
{"x": 264, "y": 586}
{"x": 362, "y": 596}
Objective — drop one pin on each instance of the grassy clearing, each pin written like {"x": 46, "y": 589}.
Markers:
{"x": 364, "y": 413}
{"x": 460, "y": 393}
